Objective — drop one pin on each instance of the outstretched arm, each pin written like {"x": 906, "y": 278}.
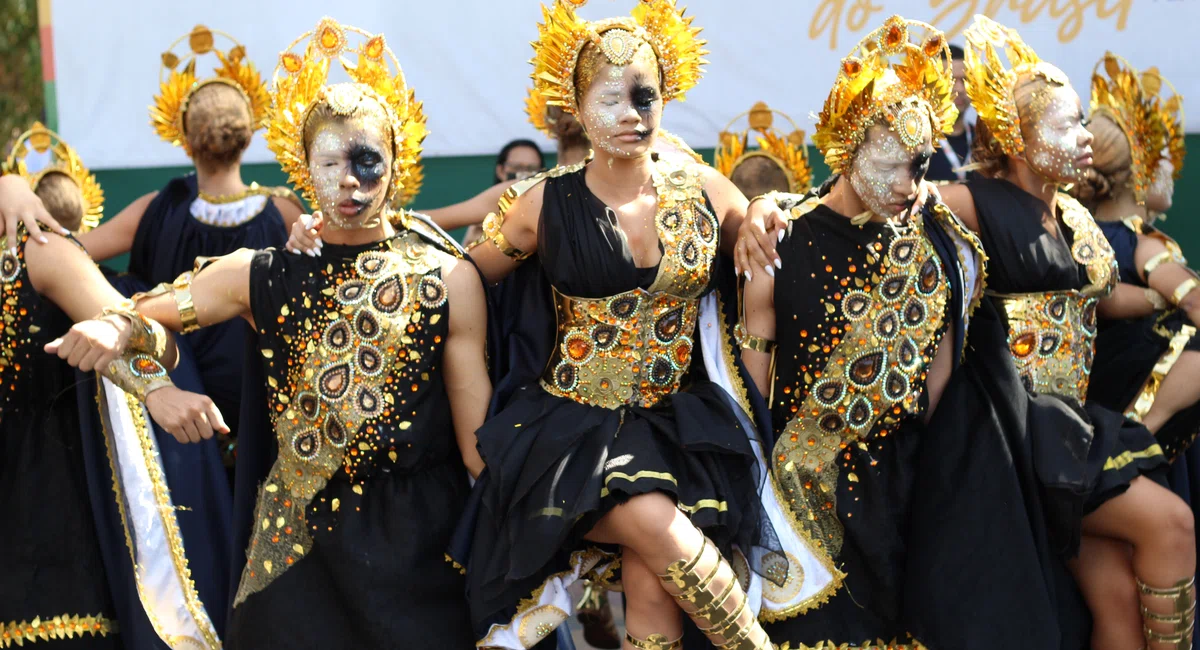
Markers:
{"x": 115, "y": 236}
{"x": 469, "y": 212}
{"x": 219, "y": 292}
{"x": 465, "y": 359}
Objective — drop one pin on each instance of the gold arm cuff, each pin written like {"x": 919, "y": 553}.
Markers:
{"x": 147, "y": 335}
{"x": 749, "y": 341}
{"x": 654, "y": 642}
{"x": 1155, "y": 298}
{"x": 138, "y": 374}
{"x": 1184, "y": 289}
{"x": 1156, "y": 261}
{"x": 491, "y": 230}
{"x": 182, "y": 291}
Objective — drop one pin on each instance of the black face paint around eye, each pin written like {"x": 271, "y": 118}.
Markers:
{"x": 920, "y": 166}
{"x": 366, "y": 164}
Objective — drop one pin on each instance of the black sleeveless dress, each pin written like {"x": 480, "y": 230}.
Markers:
{"x": 1064, "y": 276}
{"x": 620, "y": 410}
{"x": 348, "y": 535}
{"x": 52, "y": 579}
{"x": 168, "y": 241}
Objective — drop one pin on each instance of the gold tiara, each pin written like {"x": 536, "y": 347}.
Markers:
{"x": 870, "y": 87}
{"x": 64, "y": 160}
{"x": 562, "y": 36}
{"x": 177, "y": 85}
{"x": 787, "y": 151}
{"x": 990, "y": 83}
{"x": 535, "y": 108}
{"x": 300, "y": 84}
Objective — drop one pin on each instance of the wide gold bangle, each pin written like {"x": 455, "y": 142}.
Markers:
{"x": 147, "y": 335}
{"x": 749, "y": 341}
{"x": 1184, "y": 289}
{"x": 491, "y": 229}
{"x": 182, "y": 291}
{"x": 1154, "y": 262}
{"x": 138, "y": 374}
{"x": 1155, "y": 298}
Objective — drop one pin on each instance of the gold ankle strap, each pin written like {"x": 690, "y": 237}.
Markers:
{"x": 1180, "y": 593}
{"x": 654, "y": 642}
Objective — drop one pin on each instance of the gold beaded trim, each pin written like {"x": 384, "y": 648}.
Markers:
{"x": 64, "y": 626}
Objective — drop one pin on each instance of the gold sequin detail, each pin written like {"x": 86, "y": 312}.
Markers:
{"x": 64, "y": 626}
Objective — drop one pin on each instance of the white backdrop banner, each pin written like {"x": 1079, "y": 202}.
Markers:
{"x": 467, "y": 59}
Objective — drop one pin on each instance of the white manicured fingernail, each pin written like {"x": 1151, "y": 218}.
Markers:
{"x": 778, "y": 263}
{"x": 293, "y": 251}
{"x": 749, "y": 278}
{"x": 66, "y": 232}
{"x": 311, "y": 252}
{"x": 770, "y": 270}
{"x": 42, "y": 238}
{"x": 781, "y": 234}
{"x": 320, "y": 244}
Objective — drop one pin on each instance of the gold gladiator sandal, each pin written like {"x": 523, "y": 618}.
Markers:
{"x": 717, "y": 606}
{"x": 1174, "y": 628}
{"x": 654, "y": 642}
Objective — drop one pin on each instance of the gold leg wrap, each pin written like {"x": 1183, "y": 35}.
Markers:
{"x": 1176, "y": 627}
{"x": 721, "y": 612}
{"x": 654, "y": 642}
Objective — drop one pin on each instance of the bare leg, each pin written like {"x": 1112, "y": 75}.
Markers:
{"x": 690, "y": 569}
{"x": 1104, "y": 571}
{"x": 1180, "y": 389}
{"x": 652, "y": 618}
{"x": 1161, "y": 529}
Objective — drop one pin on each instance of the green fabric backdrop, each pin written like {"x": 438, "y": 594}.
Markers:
{"x": 454, "y": 178}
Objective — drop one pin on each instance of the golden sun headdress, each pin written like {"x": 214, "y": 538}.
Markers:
{"x": 912, "y": 95}
{"x": 535, "y": 108}
{"x": 563, "y": 35}
{"x": 1119, "y": 95}
{"x": 300, "y": 85}
{"x": 1169, "y": 106}
{"x": 63, "y": 160}
{"x": 990, "y": 85}
{"x": 787, "y": 151}
{"x": 178, "y": 84}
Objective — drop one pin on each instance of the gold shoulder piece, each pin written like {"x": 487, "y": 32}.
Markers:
{"x": 802, "y": 208}
{"x": 495, "y": 221}
{"x": 1090, "y": 247}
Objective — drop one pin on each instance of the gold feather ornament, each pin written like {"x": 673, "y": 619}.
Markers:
{"x": 1170, "y": 113}
{"x": 991, "y": 83}
{"x": 888, "y": 78}
{"x": 63, "y": 160}
{"x": 1118, "y": 94}
{"x": 562, "y": 35}
{"x": 178, "y": 82}
{"x": 535, "y": 108}
{"x": 786, "y": 151}
{"x": 300, "y": 85}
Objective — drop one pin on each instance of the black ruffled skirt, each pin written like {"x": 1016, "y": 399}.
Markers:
{"x": 1126, "y": 353}
{"x": 555, "y": 467}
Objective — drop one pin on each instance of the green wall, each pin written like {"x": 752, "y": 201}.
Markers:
{"x": 453, "y": 178}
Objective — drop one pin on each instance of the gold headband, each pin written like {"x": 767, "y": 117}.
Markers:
{"x": 991, "y": 86}
{"x": 177, "y": 85}
{"x": 300, "y": 85}
{"x": 787, "y": 151}
{"x": 905, "y": 94}
{"x": 64, "y": 160}
{"x": 562, "y": 36}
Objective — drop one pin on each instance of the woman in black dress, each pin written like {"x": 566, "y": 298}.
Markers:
{"x": 1050, "y": 271}
{"x": 373, "y": 368}
{"x": 616, "y": 448}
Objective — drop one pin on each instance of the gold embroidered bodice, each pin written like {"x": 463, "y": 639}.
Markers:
{"x": 1052, "y": 335}
{"x": 632, "y": 349}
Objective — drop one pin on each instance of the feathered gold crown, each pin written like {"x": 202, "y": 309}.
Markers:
{"x": 990, "y": 84}
{"x": 787, "y": 151}
{"x": 562, "y": 36}
{"x": 300, "y": 85}
{"x": 535, "y": 108}
{"x": 64, "y": 160}
{"x": 176, "y": 85}
{"x": 906, "y": 94}
{"x": 1170, "y": 112}
{"x": 1117, "y": 94}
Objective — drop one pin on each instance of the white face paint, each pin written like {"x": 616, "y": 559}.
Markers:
{"x": 1058, "y": 145}
{"x": 885, "y": 173}
{"x": 350, "y": 163}
{"x": 622, "y": 108}
{"x": 1162, "y": 186}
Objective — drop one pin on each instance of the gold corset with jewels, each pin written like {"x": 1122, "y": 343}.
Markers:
{"x": 632, "y": 349}
{"x": 1051, "y": 337}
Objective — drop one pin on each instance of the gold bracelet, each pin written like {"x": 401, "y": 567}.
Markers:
{"x": 491, "y": 229}
{"x": 1183, "y": 289}
{"x": 1155, "y": 298}
{"x": 769, "y": 196}
{"x": 749, "y": 341}
{"x": 1154, "y": 262}
{"x": 147, "y": 335}
{"x": 138, "y": 374}
{"x": 182, "y": 291}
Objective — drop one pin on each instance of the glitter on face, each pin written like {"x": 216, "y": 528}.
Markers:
{"x": 885, "y": 173}
{"x": 1060, "y": 147}
{"x": 1162, "y": 187}
{"x": 622, "y": 108}
{"x": 349, "y": 162}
